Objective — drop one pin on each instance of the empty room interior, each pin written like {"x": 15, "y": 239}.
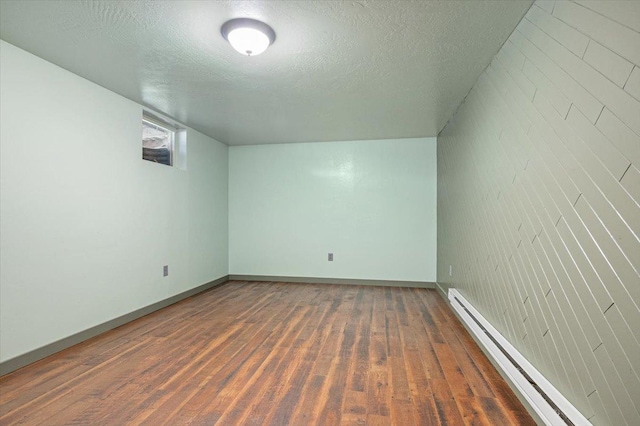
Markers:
{"x": 320, "y": 212}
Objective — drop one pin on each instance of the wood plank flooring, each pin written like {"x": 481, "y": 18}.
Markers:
{"x": 251, "y": 353}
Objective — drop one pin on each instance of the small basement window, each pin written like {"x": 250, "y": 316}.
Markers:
{"x": 157, "y": 141}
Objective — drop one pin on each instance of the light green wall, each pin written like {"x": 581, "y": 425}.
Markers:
{"x": 539, "y": 201}
{"x": 85, "y": 224}
{"x": 371, "y": 203}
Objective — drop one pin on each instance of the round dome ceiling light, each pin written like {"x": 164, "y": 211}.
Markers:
{"x": 248, "y": 36}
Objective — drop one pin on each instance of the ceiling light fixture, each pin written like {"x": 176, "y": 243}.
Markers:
{"x": 248, "y": 36}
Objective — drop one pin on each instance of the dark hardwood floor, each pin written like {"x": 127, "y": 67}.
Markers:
{"x": 272, "y": 353}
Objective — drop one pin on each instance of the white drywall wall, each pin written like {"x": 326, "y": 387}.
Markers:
{"x": 86, "y": 224}
{"x": 371, "y": 203}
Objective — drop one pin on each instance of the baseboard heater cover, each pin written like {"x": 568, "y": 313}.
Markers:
{"x": 549, "y": 404}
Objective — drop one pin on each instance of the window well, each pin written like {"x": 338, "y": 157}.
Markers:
{"x": 157, "y": 142}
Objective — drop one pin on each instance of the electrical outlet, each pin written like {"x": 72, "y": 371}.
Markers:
{"x": 165, "y": 270}
{"x": 450, "y": 270}
{"x": 330, "y": 257}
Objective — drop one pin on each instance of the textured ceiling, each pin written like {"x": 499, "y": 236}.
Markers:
{"x": 339, "y": 70}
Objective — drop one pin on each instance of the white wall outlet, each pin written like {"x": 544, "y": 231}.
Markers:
{"x": 450, "y": 270}
{"x": 165, "y": 270}
{"x": 330, "y": 257}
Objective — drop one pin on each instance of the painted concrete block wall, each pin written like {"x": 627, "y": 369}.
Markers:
{"x": 371, "y": 203}
{"x": 539, "y": 195}
{"x": 85, "y": 224}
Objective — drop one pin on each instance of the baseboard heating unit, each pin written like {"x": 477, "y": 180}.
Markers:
{"x": 549, "y": 404}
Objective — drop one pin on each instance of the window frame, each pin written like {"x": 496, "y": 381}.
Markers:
{"x": 163, "y": 125}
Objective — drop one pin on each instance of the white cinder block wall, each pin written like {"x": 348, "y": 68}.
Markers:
{"x": 86, "y": 224}
{"x": 538, "y": 200}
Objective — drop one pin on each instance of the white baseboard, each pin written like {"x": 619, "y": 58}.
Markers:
{"x": 541, "y": 395}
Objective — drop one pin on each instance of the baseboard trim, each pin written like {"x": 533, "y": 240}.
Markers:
{"x": 546, "y": 404}
{"x": 318, "y": 280}
{"x": 442, "y": 291}
{"x": 20, "y": 361}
